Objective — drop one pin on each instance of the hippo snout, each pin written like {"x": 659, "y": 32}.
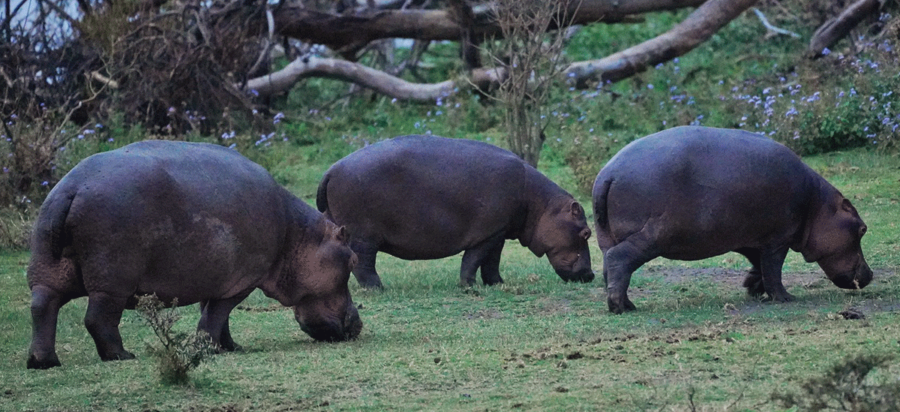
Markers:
{"x": 333, "y": 330}
{"x": 585, "y": 276}
{"x": 857, "y": 279}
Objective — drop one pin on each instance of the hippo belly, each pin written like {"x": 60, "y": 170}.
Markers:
{"x": 692, "y": 193}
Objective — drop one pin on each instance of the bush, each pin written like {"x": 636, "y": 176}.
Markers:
{"x": 180, "y": 352}
{"x": 859, "y": 383}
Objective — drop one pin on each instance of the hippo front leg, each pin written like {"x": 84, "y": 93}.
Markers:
{"x": 102, "y": 319}
{"x": 486, "y": 256}
{"x": 45, "y": 304}
{"x": 619, "y": 263}
{"x": 214, "y": 315}
{"x": 771, "y": 262}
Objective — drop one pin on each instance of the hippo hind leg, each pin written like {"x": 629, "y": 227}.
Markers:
{"x": 753, "y": 281}
{"x": 364, "y": 271}
{"x": 214, "y": 316}
{"x": 486, "y": 255}
{"x": 104, "y": 313}
{"x": 619, "y": 262}
{"x": 45, "y": 304}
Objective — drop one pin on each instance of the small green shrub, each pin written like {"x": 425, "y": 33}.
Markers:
{"x": 180, "y": 352}
{"x": 859, "y": 383}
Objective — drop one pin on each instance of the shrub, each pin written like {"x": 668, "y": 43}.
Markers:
{"x": 180, "y": 352}
{"x": 859, "y": 383}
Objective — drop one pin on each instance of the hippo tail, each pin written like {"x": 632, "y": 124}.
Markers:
{"x": 322, "y": 194}
{"x": 50, "y": 233}
{"x": 601, "y": 216}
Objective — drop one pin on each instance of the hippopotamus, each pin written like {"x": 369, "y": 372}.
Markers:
{"x": 430, "y": 197}
{"x": 691, "y": 193}
{"x": 188, "y": 222}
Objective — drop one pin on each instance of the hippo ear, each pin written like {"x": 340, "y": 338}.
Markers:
{"x": 577, "y": 210}
{"x": 341, "y": 235}
{"x": 847, "y": 206}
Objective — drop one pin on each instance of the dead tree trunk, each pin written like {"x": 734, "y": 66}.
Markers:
{"x": 835, "y": 29}
{"x": 697, "y": 28}
{"x": 351, "y": 32}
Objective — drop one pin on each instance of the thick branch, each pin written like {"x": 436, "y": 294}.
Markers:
{"x": 376, "y": 80}
{"x": 835, "y": 29}
{"x": 687, "y": 35}
{"x": 353, "y": 31}
{"x": 697, "y": 28}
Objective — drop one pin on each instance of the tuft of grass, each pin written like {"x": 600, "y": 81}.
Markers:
{"x": 179, "y": 352}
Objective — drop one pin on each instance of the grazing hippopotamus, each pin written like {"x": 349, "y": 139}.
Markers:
{"x": 691, "y": 193}
{"x": 428, "y": 197}
{"x": 187, "y": 221}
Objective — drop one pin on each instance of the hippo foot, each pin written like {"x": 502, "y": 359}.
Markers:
{"x": 754, "y": 284}
{"x": 233, "y": 347}
{"x": 492, "y": 281}
{"x": 51, "y": 362}
{"x": 124, "y": 355}
{"x": 783, "y": 297}
{"x": 370, "y": 284}
{"x": 628, "y": 306}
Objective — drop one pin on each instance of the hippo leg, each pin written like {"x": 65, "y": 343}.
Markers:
{"x": 102, "y": 321}
{"x": 619, "y": 263}
{"x": 45, "y": 304}
{"x": 364, "y": 271}
{"x": 753, "y": 282}
{"x": 485, "y": 255}
{"x": 771, "y": 262}
{"x": 214, "y": 321}
{"x": 490, "y": 267}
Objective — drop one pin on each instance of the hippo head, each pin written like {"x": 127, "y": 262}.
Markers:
{"x": 322, "y": 302}
{"x": 833, "y": 240}
{"x": 562, "y": 234}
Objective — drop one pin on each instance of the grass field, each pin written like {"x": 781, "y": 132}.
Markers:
{"x": 697, "y": 340}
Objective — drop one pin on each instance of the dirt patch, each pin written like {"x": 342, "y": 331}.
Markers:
{"x": 549, "y": 307}
{"x": 733, "y": 277}
{"x": 270, "y": 308}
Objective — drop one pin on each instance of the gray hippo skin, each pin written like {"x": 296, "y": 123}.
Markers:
{"x": 186, "y": 221}
{"x": 428, "y": 197}
{"x": 691, "y": 193}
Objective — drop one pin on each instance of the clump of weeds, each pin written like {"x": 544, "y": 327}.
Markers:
{"x": 858, "y": 383}
{"x": 179, "y": 352}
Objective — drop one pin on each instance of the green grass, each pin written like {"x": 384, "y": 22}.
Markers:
{"x": 533, "y": 343}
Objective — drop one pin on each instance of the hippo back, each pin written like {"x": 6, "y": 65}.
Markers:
{"x": 704, "y": 184}
{"x": 212, "y": 218}
{"x": 425, "y": 197}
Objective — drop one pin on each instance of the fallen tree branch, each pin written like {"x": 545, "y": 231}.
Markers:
{"x": 835, "y": 29}
{"x": 697, "y": 28}
{"x": 379, "y": 81}
{"x": 106, "y": 81}
{"x": 687, "y": 35}
{"x": 351, "y": 32}
{"x": 770, "y": 27}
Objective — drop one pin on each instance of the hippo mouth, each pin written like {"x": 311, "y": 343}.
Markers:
{"x": 856, "y": 279}
{"x": 333, "y": 331}
{"x": 584, "y": 276}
